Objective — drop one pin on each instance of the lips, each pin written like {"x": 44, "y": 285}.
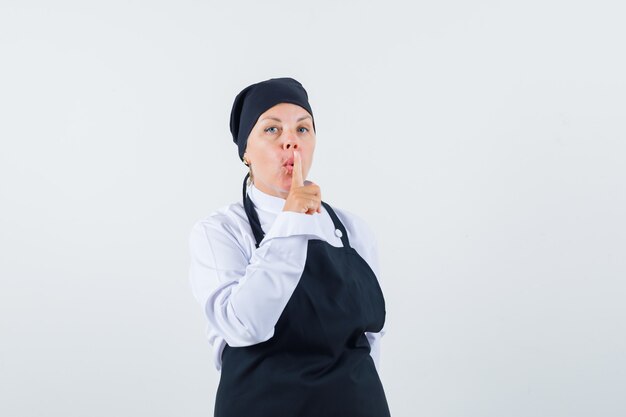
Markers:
{"x": 289, "y": 162}
{"x": 288, "y": 165}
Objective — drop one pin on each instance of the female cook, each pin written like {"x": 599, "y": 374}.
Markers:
{"x": 288, "y": 283}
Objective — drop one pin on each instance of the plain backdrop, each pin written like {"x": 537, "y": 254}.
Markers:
{"x": 484, "y": 142}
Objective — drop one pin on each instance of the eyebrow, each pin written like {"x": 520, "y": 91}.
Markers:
{"x": 278, "y": 120}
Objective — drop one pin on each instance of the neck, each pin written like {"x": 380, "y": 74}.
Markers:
{"x": 276, "y": 192}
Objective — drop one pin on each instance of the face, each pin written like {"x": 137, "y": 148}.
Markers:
{"x": 276, "y": 134}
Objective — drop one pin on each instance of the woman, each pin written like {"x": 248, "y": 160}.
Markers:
{"x": 288, "y": 284}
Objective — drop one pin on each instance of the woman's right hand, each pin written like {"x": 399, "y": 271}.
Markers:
{"x": 302, "y": 198}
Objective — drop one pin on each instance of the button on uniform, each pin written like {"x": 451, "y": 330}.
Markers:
{"x": 338, "y": 233}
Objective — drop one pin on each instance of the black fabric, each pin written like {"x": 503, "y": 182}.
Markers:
{"x": 253, "y": 218}
{"x": 318, "y": 362}
{"x": 257, "y": 98}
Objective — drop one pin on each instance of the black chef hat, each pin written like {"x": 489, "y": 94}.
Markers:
{"x": 257, "y": 98}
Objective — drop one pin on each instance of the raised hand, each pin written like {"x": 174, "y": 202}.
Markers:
{"x": 303, "y": 197}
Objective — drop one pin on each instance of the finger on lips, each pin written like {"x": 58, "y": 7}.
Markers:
{"x": 304, "y": 188}
{"x": 296, "y": 175}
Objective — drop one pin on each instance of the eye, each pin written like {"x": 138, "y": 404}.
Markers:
{"x": 306, "y": 128}
{"x": 270, "y": 128}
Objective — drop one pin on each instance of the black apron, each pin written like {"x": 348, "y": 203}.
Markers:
{"x": 318, "y": 362}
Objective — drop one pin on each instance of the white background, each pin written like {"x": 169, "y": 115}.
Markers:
{"x": 483, "y": 141}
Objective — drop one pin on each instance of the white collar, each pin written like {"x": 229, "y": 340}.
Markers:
{"x": 265, "y": 201}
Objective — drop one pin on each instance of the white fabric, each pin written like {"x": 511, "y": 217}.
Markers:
{"x": 243, "y": 290}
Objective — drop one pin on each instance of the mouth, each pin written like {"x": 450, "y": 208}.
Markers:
{"x": 288, "y": 165}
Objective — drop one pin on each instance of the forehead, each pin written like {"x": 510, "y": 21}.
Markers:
{"x": 285, "y": 111}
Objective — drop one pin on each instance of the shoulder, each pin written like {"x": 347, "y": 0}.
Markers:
{"x": 226, "y": 222}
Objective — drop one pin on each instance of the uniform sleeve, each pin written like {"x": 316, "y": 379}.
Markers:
{"x": 371, "y": 257}
{"x": 243, "y": 298}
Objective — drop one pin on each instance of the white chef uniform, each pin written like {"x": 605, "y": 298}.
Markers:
{"x": 242, "y": 289}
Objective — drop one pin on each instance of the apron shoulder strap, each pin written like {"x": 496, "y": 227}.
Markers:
{"x": 257, "y": 230}
{"x": 340, "y": 230}
{"x": 253, "y": 217}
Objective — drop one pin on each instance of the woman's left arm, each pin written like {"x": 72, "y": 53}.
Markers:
{"x": 371, "y": 257}
{"x": 364, "y": 240}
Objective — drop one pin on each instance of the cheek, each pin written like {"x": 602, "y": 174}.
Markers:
{"x": 260, "y": 153}
{"x": 311, "y": 153}
{"x": 268, "y": 162}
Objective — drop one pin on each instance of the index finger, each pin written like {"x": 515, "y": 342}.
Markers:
{"x": 296, "y": 174}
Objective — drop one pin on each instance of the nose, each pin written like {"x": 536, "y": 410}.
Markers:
{"x": 291, "y": 142}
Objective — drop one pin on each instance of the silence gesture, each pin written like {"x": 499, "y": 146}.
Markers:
{"x": 302, "y": 198}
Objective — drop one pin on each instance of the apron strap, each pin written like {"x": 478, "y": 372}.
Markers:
{"x": 253, "y": 217}
{"x": 338, "y": 225}
{"x": 257, "y": 230}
